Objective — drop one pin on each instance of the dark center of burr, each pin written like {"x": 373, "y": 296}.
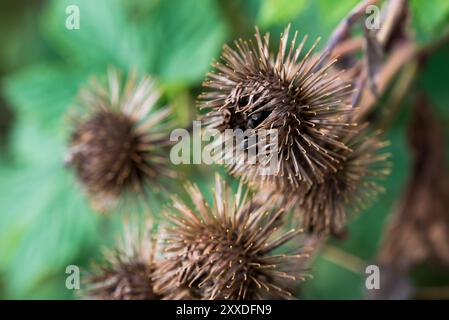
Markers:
{"x": 247, "y": 120}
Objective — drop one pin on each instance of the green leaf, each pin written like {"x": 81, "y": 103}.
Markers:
{"x": 45, "y": 221}
{"x": 106, "y": 36}
{"x": 275, "y": 12}
{"x": 331, "y": 281}
{"x": 187, "y": 35}
{"x": 433, "y": 79}
{"x": 181, "y": 102}
{"x": 429, "y": 17}
{"x": 43, "y": 92}
{"x": 315, "y": 18}
{"x": 309, "y": 22}
{"x": 332, "y": 13}
{"x": 60, "y": 224}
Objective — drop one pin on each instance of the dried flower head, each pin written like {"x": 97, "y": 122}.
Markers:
{"x": 352, "y": 186}
{"x": 125, "y": 273}
{"x": 302, "y": 98}
{"x": 229, "y": 251}
{"x": 118, "y": 146}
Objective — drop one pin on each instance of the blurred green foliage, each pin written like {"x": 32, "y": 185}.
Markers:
{"x": 45, "y": 220}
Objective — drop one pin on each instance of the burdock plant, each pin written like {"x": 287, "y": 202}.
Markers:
{"x": 352, "y": 186}
{"x": 301, "y": 96}
{"x": 118, "y": 143}
{"x": 126, "y": 271}
{"x": 232, "y": 250}
{"x": 327, "y": 163}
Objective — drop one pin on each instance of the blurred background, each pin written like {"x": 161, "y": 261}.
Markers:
{"x": 45, "y": 220}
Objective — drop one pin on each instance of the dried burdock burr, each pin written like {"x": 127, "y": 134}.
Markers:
{"x": 352, "y": 186}
{"x": 232, "y": 250}
{"x": 300, "y": 96}
{"x": 119, "y": 142}
{"x": 126, "y": 271}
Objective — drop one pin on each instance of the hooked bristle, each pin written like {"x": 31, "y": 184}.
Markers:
{"x": 353, "y": 186}
{"x": 118, "y": 147}
{"x": 126, "y": 271}
{"x": 300, "y": 97}
{"x": 231, "y": 250}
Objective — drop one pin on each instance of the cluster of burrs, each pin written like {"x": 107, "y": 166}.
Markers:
{"x": 232, "y": 249}
{"x": 237, "y": 247}
{"x": 327, "y": 164}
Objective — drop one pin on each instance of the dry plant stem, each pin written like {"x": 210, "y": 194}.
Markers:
{"x": 419, "y": 229}
{"x": 343, "y": 28}
{"x": 344, "y": 259}
{"x": 403, "y": 54}
{"x": 395, "y": 9}
{"x": 357, "y": 265}
{"x": 432, "y": 293}
{"x": 375, "y": 45}
{"x": 368, "y": 73}
{"x": 331, "y": 253}
{"x": 406, "y": 53}
{"x": 347, "y": 47}
{"x": 314, "y": 244}
{"x": 400, "y": 90}
{"x": 360, "y": 84}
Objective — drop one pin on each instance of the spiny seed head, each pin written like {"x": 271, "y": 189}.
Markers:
{"x": 125, "y": 273}
{"x": 300, "y": 96}
{"x": 324, "y": 207}
{"x": 231, "y": 250}
{"x": 118, "y": 144}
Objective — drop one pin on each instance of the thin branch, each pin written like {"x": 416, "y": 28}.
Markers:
{"x": 344, "y": 259}
{"x": 432, "y": 293}
{"x": 403, "y": 54}
{"x": 399, "y": 91}
{"x": 342, "y": 29}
